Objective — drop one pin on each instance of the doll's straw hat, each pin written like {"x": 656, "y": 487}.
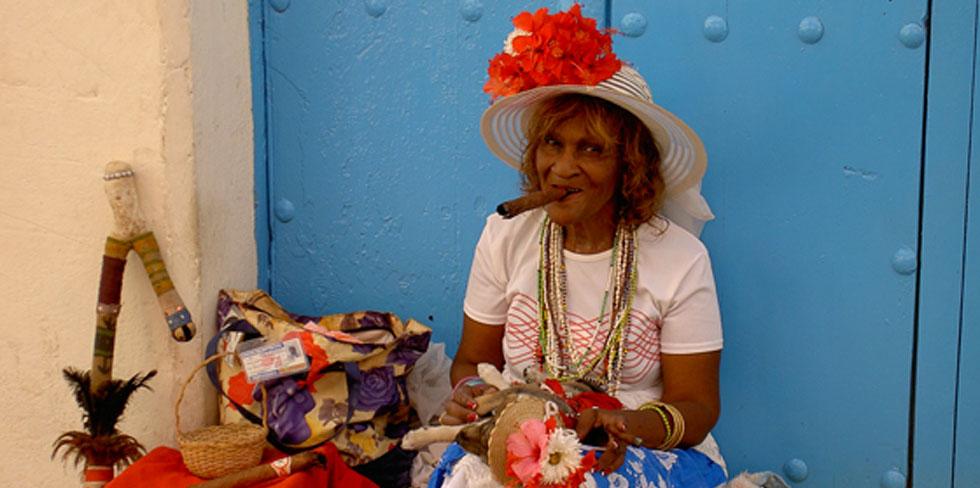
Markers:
{"x": 504, "y": 123}
{"x": 509, "y": 421}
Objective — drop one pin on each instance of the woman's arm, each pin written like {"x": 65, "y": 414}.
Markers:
{"x": 691, "y": 385}
{"x": 481, "y": 343}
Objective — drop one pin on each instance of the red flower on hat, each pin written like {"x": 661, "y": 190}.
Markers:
{"x": 564, "y": 48}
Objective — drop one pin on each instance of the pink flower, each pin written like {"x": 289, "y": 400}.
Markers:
{"x": 525, "y": 448}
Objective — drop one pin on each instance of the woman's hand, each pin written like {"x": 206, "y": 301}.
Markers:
{"x": 481, "y": 343}
{"x": 461, "y": 406}
{"x": 614, "y": 423}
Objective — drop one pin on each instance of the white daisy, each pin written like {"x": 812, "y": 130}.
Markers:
{"x": 562, "y": 457}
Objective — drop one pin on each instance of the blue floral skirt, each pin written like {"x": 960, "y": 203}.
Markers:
{"x": 682, "y": 468}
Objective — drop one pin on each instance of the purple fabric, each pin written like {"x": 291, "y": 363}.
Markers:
{"x": 374, "y": 389}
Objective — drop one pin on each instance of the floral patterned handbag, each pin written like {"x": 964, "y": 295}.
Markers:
{"x": 354, "y": 393}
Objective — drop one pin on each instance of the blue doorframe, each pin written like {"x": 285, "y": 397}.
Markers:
{"x": 263, "y": 226}
{"x": 966, "y": 448}
{"x": 946, "y": 164}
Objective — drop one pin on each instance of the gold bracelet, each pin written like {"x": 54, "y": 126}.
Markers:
{"x": 674, "y": 428}
{"x": 658, "y": 407}
{"x": 678, "y": 434}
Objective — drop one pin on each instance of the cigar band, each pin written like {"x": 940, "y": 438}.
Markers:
{"x": 282, "y": 466}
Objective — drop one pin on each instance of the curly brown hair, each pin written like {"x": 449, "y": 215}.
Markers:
{"x": 640, "y": 193}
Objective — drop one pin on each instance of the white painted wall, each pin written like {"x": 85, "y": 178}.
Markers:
{"x": 165, "y": 85}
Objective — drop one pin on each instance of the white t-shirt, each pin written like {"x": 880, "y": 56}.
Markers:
{"x": 675, "y": 309}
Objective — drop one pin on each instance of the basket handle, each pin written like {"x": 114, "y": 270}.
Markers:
{"x": 190, "y": 377}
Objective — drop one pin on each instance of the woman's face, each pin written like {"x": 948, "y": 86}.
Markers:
{"x": 571, "y": 158}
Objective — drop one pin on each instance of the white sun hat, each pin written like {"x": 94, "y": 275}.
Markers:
{"x": 683, "y": 158}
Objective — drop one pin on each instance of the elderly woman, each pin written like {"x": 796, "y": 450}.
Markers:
{"x": 608, "y": 283}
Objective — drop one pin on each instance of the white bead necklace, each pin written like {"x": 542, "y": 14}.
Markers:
{"x": 561, "y": 357}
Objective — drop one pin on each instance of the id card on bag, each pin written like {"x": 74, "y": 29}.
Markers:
{"x": 274, "y": 360}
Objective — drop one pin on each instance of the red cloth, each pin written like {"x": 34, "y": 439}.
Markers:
{"x": 164, "y": 468}
{"x": 582, "y": 401}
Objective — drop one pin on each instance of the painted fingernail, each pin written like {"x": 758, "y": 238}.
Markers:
{"x": 471, "y": 417}
{"x": 471, "y": 405}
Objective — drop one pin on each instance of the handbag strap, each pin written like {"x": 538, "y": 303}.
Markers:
{"x": 234, "y": 324}
{"x": 231, "y": 325}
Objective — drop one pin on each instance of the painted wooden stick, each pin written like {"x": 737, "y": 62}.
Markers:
{"x": 512, "y": 208}
{"x": 178, "y": 317}
{"x": 264, "y": 472}
{"x": 107, "y": 311}
{"x": 130, "y": 227}
{"x": 120, "y": 189}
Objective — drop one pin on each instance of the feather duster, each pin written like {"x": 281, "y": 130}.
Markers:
{"x": 101, "y": 443}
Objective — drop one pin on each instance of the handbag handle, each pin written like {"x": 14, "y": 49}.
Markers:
{"x": 190, "y": 377}
{"x": 212, "y": 350}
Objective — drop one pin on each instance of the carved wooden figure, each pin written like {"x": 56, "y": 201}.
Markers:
{"x": 130, "y": 232}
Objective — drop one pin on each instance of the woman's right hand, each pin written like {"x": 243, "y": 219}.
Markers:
{"x": 461, "y": 406}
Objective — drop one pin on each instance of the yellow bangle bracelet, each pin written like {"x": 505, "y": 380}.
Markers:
{"x": 678, "y": 434}
{"x": 658, "y": 407}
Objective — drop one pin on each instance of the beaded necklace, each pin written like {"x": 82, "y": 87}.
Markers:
{"x": 561, "y": 358}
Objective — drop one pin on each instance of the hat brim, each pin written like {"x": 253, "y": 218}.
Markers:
{"x": 683, "y": 158}
{"x": 509, "y": 421}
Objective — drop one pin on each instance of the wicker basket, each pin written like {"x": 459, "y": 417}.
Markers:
{"x": 217, "y": 450}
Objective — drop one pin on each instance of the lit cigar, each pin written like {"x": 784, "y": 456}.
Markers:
{"x": 517, "y": 206}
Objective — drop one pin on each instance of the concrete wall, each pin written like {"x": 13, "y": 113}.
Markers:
{"x": 163, "y": 84}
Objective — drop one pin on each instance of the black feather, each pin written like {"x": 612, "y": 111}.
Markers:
{"x": 102, "y": 410}
{"x": 101, "y": 443}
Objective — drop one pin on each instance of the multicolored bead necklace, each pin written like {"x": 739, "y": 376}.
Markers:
{"x": 561, "y": 358}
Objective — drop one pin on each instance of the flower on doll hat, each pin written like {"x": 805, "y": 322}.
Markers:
{"x": 551, "y": 55}
{"x": 508, "y": 422}
{"x": 529, "y": 445}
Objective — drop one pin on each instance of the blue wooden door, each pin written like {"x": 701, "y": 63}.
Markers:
{"x": 373, "y": 185}
{"x": 812, "y": 117}
{"x": 377, "y": 183}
